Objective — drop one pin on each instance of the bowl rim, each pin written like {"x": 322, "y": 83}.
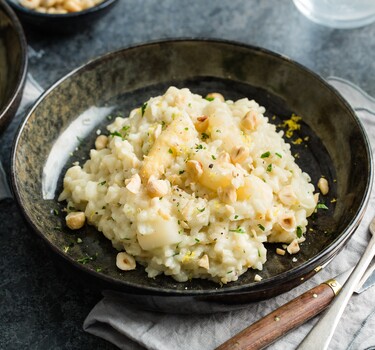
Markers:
{"x": 311, "y": 265}
{"x": 41, "y": 15}
{"x": 22, "y": 73}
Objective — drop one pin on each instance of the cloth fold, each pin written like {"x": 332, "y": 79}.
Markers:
{"x": 130, "y": 328}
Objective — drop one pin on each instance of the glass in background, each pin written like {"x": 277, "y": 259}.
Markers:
{"x": 338, "y": 13}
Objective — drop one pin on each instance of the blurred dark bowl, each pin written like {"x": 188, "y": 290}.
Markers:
{"x": 13, "y": 64}
{"x": 66, "y": 117}
{"x": 62, "y": 23}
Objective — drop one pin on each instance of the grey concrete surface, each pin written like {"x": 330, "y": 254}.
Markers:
{"x": 43, "y": 308}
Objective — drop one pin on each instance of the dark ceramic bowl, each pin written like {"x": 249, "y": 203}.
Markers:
{"x": 63, "y": 23}
{"x": 66, "y": 117}
{"x": 13, "y": 64}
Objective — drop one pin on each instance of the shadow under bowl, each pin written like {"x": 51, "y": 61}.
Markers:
{"x": 61, "y": 129}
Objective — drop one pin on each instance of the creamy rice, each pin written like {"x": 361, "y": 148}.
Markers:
{"x": 193, "y": 187}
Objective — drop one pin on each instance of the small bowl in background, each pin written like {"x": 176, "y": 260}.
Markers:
{"x": 13, "y": 64}
{"x": 69, "y": 22}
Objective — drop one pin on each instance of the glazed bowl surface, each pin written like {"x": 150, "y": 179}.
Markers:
{"x": 61, "y": 128}
{"x": 13, "y": 64}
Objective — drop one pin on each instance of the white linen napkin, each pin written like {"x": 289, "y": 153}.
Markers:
{"x": 130, "y": 328}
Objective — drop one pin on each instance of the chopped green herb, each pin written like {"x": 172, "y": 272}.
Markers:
{"x": 79, "y": 240}
{"x": 279, "y": 155}
{"x": 170, "y": 151}
{"x": 56, "y": 212}
{"x": 213, "y": 157}
{"x": 143, "y": 108}
{"x": 201, "y": 210}
{"x": 80, "y": 140}
{"x": 209, "y": 98}
{"x": 269, "y": 168}
{"x": 219, "y": 131}
{"x": 321, "y": 206}
{"x": 98, "y": 269}
{"x": 204, "y": 136}
{"x": 259, "y": 253}
{"x": 229, "y": 272}
{"x": 175, "y": 254}
{"x": 238, "y": 230}
{"x": 181, "y": 172}
{"x": 299, "y": 232}
{"x": 102, "y": 183}
{"x": 125, "y": 131}
{"x": 197, "y": 240}
{"x": 115, "y": 133}
{"x": 186, "y": 129}
{"x": 261, "y": 227}
{"x": 178, "y": 221}
{"x": 265, "y": 155}
{"x": 235, "y": 217}
{"x": 199, "y": 146}
{"x": 163, "y": 124}
{"x": 86, "y": 259}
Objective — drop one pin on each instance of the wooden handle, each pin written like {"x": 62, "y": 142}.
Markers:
{"x": 279, "y": 322}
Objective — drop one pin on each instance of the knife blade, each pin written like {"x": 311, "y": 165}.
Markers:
{"x": 291, "y": 315}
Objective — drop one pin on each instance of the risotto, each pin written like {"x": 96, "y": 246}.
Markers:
{"x": 192, "y": 187}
